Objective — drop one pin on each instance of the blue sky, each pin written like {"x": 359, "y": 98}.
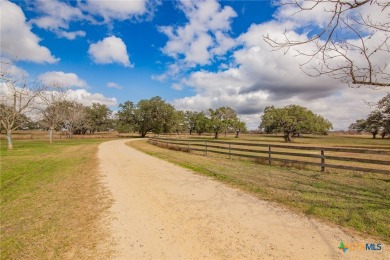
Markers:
{"x": 194, "y": 54}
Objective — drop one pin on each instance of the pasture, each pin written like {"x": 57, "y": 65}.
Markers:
{"x": 51, "y": 200}
{"x": 358, "y": 201}
{"x": 57, "y": 135}
{"x": 309, "y": 157}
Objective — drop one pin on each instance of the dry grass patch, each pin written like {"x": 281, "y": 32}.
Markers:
{"x": 52, "y": 201}
{"x": 358, "y": 201}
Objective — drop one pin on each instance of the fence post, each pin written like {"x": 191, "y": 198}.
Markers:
{"x": 189, "y": 145}
{"x": 269, "y": 154}
{"x": 230, "y": 152}
{"x": 206, "y": 147}
{"x": 322, "y": 161}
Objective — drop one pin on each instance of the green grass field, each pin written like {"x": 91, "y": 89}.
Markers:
{"x": 358, "y": 201}
{"x": 51, "y": 200}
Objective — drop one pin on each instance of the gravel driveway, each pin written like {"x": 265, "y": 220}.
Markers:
{"x": 163, "y": 211}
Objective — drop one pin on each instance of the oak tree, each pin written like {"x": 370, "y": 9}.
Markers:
{"x": 293, "y": 119}
{"x": 154, "y": 115}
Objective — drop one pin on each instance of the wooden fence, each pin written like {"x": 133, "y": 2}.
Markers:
{"x": 365, "y": 160}
{"x": 44, "y": 135}
{"x": 56, "y": 136}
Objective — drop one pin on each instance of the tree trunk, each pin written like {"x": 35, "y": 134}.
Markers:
{"x": 190, "y": 131}
{"x": 374, "y": 135}
{"x": 9, "y": 139}
{"x": 143, "y": 134}
{"x": 237, "y": 134}
{"x": 50, "y": 135}
{"x": 287, "y": 137}
{"x": 216, "y": 135}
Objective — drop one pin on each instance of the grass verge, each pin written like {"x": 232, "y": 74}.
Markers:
{"x": 51, "y": 200}
{"x": 358, "y": 201}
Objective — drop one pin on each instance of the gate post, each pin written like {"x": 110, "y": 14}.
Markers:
{"x": 269, "y": 154}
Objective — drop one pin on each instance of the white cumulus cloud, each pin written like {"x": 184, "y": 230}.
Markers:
{"x": 56, "y": 17}
{"x": 118, "y": 9}
{"x": 203, "y": 37}
{"x": 71, "y": 35}
{"x": 110, "y": 50}
{"x": 259, "y": 77}
{"x": 87, "y": 98}
{"x": 60, "y": 77}
{"x": 17, "y": 41}
{"x": 9, "y": 70}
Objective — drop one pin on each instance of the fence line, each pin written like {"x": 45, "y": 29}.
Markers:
{"x": 58, "y": 136}
{"x": 233, "y": 149}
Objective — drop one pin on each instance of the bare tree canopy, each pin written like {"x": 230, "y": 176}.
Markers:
{"x": 351, "y": 45}
{"x": 51, "y": 109}
{"x": 17, "y": 100}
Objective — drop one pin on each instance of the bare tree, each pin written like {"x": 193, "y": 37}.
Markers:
{"x": 75, "y": 116}
{"x": 353, "y": 47}
{"x": 52, "y": 107}
{"x": 17, "y": 100}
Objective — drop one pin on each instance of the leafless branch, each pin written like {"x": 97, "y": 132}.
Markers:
{"x": 348, "y": 47}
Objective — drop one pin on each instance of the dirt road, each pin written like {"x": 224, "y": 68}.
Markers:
{"x": 162, "y": 211}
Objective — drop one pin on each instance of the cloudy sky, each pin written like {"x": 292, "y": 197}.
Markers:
{"x": 194, "y": 54}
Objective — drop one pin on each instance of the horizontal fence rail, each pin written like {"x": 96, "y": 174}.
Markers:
{"x": 361, "y": 159}
{"x": 57, "y": 135}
